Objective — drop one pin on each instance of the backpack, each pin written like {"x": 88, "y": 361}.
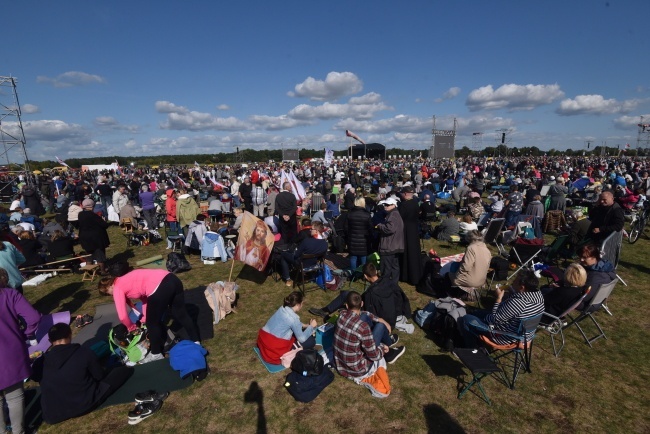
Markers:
{"x": 221, "y": 296}
{"x": 431, "y": 282}
{"x": 176, "y": 263}
{"x": 128, "y": 346}
{"x": 308, "y": 363}
{"x": 501, "y": 267}
{"x": 306, "y": 389}
{"x": 443, "y": 324}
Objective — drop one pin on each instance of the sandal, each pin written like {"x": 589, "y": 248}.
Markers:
{"x": 83, "y": 320}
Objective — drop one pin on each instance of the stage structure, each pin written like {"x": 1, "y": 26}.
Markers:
{"x": 368, "y": 150}
{"x": 290, "y": 155}
{"x": 477, "y": 142}
{"x": 643, "y": 136}
{"x": 12, "y": 139}
{"x": 443, "y": 141}
{"x": 502, "y": 138}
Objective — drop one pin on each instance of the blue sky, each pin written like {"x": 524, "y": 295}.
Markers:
{"x": 172, "y": 77}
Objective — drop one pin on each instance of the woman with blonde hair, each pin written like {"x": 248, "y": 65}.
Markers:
{"x": 558, "y": 299}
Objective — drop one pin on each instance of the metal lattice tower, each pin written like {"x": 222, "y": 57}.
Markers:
{"x": 643, "y": 136}
{"x": 12, "y": 136}
{"x": 477, "y": 142}
{"x": 502, "y": 138}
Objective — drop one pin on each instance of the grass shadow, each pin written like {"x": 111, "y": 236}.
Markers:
{"x": 640, "y": 267}
{"x": 51, "y": 300}
{"x": 438, "y": 420}
{"x": 252, "y": 275}
{"x": 444, "y": 365}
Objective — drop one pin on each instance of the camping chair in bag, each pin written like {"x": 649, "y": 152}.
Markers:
{"x": 594, "y": 305}
{"x": 552, "y": 251}
{"x": 556, "y": 325}
{"x": 493, "y": 231}
{"x": 304, "y": 270}
{"x": 522, "y": 347}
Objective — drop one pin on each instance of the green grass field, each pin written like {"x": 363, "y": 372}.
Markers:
{"x": 603, "y": 389}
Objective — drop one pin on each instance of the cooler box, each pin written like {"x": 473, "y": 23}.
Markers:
{"x": 325, "y": 335}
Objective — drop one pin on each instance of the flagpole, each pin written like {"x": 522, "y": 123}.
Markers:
{"x": 231, "y": 268}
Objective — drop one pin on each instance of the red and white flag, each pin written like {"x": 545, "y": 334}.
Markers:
{"x": 354, "y": 136}
{"x": 61, "y": 162}
{"x": 296, "y": 187}
{"x": 627, "y": 146}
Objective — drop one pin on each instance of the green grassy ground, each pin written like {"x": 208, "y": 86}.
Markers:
{"x": 603, "y": 389}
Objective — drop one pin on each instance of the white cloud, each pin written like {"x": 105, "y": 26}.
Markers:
{"x": 363, "y": 107}
{"x": 513, "y": 97}
{"x": 595, "y": 105}
{"x": 52, "y": 130}
{"x": 452, "y": 92}
{"x": 335, "y": 85}
{"x": 71, "y": 78}
{"x": 223, "y": 107}
{"x": 197, "y": 121}
{"x": 630, "y": 122}
{"x": 168, "y": 107}
{"x": 29, "y": 109}
{"x": 277, "y": 122}
{"x": 110, "y": 123}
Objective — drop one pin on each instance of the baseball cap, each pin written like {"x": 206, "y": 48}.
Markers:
{"x": 389, "y": 201}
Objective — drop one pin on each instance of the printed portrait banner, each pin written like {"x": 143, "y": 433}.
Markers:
{"x": 255, "y": 242}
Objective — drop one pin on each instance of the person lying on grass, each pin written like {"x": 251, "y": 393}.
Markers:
{"x": 72, "y": 381}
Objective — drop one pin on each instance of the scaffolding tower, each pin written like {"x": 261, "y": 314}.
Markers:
{"x": 12, "y": 139}
{"x": 477, "y": 142}
{"x": 643, "y": 136}
{"x": 502, "y": 138}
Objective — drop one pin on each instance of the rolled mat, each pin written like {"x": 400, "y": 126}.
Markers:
{"x": 142, "y": 262}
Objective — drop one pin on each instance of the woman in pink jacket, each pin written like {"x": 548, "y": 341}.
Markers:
{"x": 158, "y": 290}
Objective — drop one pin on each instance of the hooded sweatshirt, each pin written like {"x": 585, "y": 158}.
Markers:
{"x": 186, "y": 210}
{"x": 70, "y": 378}
{"x": 384, "y": 299}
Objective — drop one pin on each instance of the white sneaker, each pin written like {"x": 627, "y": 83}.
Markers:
{"x": 151, "y": 357}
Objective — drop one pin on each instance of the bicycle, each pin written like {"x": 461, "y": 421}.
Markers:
{"x": 637, "y": 225}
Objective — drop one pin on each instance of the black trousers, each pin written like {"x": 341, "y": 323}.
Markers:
{"x": 170, "y": 293}
{"x": 389, "y": 267}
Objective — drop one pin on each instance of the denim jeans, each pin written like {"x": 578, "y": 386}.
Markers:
{"x": 379, "y": 331}
{"x": 356, "y": 260}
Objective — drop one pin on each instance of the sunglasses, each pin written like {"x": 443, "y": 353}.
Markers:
{"x": 387, "y": 204}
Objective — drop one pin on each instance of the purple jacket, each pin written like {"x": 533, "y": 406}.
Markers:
{"x": 14, "y": 358}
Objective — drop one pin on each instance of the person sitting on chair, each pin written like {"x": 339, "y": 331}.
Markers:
{"x": 448, "y": 227}
{"x": 557, "y": 299}
{"x": 427, "y": 209}
{"x": 520, "y": 300}
{"x": 606, "y": 218}
{"x": 72, "y": 381}
{"x": 60, "y": 246}
{"x": 599, "y": 271}
{"x": 284, "y": 328}
{"x": 471, "y": 271}
{"x": 308, "y": 246}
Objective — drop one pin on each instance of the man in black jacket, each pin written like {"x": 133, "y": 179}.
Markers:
{"x": 72, "y": 381}
{"x": 606, "y": 218}
{"x": 285, "y": 208}
{"x": 308, "y": 246}
{"x": 383, "y": 298}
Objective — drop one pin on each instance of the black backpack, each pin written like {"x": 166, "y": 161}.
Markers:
{"x": 501, "y": 268}
{"x": 176, "y": 263}
{"x": 308, "y": 363}
{"x": 445, "y": 330}
{"x": 306, "y": 389}
{"x": 431, "y": 282}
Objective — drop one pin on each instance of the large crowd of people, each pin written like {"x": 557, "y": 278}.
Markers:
{"x": 364, "y": 206}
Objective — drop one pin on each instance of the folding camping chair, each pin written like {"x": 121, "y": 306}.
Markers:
{"x": 553, "y": 250}
{"x": 594, "y": 305}
{"x": 556, "y": 325}
{"x": 303, "y": 271}
{"x": 480, "y": 365}
{"x": 522, "y": 347}
{"x": 524, "y": 252}
{"x": 611, "y": 251}
{"x": 492, "y": 233}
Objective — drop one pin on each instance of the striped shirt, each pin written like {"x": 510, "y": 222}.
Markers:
{"x": 506, "y": 315}
{"x": 354, "y": 346}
